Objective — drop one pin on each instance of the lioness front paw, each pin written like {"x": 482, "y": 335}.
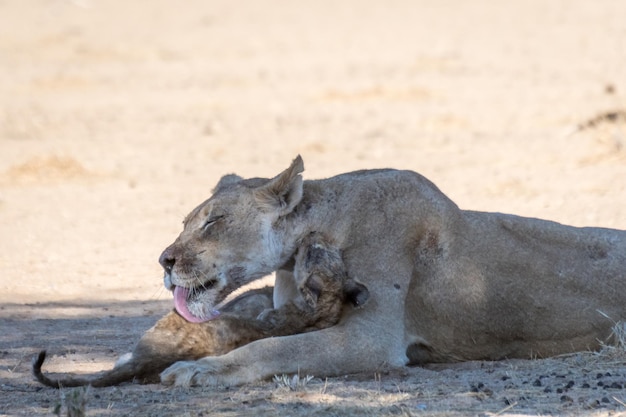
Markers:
{"x": 203, "y": 372}
{"x": 180, "y": 374}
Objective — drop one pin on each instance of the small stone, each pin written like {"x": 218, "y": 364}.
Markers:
{"x": 537, "y": 383}
{"x": 605, "y": 400}
{"x": 566, "y": 399}
{"x": 480, "y": 387}
{"x": 593, "y": 404}
{"x": 585, "y": 385}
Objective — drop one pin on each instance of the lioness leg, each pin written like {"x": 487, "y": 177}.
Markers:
{"x": 336, "y": 350}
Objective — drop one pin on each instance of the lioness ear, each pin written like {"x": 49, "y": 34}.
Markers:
{"x": 226, "y": 181}
{"x": 355, "y": 292}
{"x": 283, "y": 192}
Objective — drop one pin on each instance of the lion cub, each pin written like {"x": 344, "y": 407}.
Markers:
{"x": 323, "y": 285}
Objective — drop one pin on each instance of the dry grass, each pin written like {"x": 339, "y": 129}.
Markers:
{"x": 74, "y": 401}
{"x": 293, "y": 383}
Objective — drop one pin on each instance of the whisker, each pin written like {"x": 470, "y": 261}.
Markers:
{"x": 156, "y": 295}
{"x": 197, "y": 278}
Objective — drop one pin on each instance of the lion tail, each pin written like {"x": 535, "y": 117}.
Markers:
{"x": 115, "y": 376}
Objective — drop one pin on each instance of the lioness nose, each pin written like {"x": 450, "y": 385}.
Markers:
{"x": 167, "y": 261}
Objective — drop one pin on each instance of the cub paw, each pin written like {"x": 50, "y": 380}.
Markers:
{"x": 271, "y": 318}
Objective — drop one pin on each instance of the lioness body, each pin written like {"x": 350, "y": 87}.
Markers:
{"x": 445, "y": 284}
{"x": 322, "y": 284}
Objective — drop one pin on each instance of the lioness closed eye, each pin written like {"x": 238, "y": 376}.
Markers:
{"x": 323, "y": 286}
{"x": 445, "y": 284}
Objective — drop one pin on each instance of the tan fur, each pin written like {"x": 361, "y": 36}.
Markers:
{"x": 322, "y": 283}
{"x": 445, "y": 284}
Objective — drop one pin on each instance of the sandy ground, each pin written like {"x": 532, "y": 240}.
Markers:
{"x": 117, "y": 118}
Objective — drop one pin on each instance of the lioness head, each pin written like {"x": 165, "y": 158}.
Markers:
{"x": 231, "y": 239}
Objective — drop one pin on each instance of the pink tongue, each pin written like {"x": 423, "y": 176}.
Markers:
{"x": 180, "y": 303}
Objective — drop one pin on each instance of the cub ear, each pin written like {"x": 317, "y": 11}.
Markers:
{"x": 283, "y": 192}
{"x": 226, "y": 181}
{"x": 311, "y": 289}
{"x": 355, "y": 292}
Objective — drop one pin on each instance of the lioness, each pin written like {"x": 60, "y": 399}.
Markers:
{"x": 445, "y": 284}
{"x": 322, "y": 285}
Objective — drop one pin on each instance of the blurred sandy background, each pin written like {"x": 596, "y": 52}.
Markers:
{"x": 118, "y": 117}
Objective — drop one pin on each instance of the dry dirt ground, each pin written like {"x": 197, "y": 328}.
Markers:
{"x": 118, "y": 117}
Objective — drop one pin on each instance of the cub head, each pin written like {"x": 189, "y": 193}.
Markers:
{"x": 231, "y": 239}
{"x": 319, "y": 272}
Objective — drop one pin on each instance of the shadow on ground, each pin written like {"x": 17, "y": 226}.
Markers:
{"x": 86, "y": 337}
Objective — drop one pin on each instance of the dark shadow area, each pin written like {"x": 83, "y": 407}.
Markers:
{"x": 82, "y": 308}
{"x": 96, "y": 332}
{"x": 69, "y": 325}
